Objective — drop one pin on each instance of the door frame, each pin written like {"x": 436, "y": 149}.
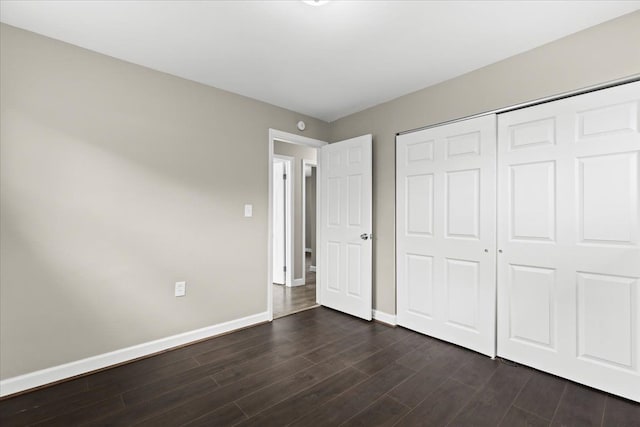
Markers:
{"x": 288, "y": 217}
{"x": 277, "y": 135}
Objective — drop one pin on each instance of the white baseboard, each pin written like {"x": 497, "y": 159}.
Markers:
{"x": 83, "y": 366}
{"x": 298, "y": 282}
{"x": 312, "y": 268}
{"x": 389, "y": 319}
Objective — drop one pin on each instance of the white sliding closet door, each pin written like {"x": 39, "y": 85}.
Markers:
{"x": 446, "y": 232}
{"x": 569, "y": 231}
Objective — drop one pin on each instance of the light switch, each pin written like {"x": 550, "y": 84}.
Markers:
{"x": 180, "y": 289}
{"x": 248, "y": 211}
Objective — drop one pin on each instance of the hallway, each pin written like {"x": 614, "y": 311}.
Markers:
{"x": 291, "y": 300}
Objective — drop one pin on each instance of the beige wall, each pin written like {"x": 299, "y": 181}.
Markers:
{"x": 117, "y": 181}
{"x": 299, "y": 153}
{"x": 606, "y": 52}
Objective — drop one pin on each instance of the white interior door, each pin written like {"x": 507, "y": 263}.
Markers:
{"x": 279, "y": 219}
{"x": 569, "y": 231}
{"x": 446, "y": 232}
{"x": 345, "y": 226}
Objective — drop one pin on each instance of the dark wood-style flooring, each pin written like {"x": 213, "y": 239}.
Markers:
{"x": 287, "y": 300}
{"x": 319, "y": 368}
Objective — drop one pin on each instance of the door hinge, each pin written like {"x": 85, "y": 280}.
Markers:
{"x": 285, "y": 268}
{"x": 284, "y": 176}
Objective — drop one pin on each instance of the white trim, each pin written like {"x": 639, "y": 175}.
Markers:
{"x": 381, "y": 316}
{"x": 83, "y": 366}
{"x": 289, "y": 262}
{"x": 275, "y": 134}
{"x": 298, "y": 282}
{"x": 312, "y": 268}
{"x": 295, "y": 139}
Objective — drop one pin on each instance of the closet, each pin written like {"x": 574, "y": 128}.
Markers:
{"x": 518, "y": 235}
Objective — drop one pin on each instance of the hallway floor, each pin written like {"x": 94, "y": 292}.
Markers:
{"x": 291, "y": 300}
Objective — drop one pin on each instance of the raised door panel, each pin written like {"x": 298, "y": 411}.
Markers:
{"x": 607, "y": 310}
{"x": 532, "y": 309}
{"x": 463, "y": 204}
{"x": 419, "y": 277}
{"x": 418, "y": 198}
{"x": 467, "y": 144}
{"x": 534, "y": 134}
{"x": 609, "y": 119}
{"x": 462, "y": 281}
{"x": 532, "y": 201}
{"x": 607, "y": 199}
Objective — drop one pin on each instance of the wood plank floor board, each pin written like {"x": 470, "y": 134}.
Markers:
{"x": 150, "y": 390}
{"x": 228, "y": 415}
{"x": 85, "y": 414}
{"x": 124, "y": 383}
{"x": 422, "y": 356}
{"x": 476, "y": 372}
{"x": 222, "y": 341}
{"x": 133, "y": 414}
{"x": 281, "y": 390}
{"x": 356, "y": 399}
{"x": 388, "y": 336}
{"x": 201, "y": 406}
{"x": 442, "y": 405}
{"x": 61, "y": 406}
{"x": 490, "y": 404}
{"x": 370, "y": 343}
{"x": 235, "y": 359}
{"x": 383, "y": 412}
{"x": 139, "y": 368}
{"x": 355, "y": 354}
{"x": 305, "y": 401}
{"x": 579, "y": 406}
{"x": 40, "y": 397}
{"x": 316, "y": 339}
{"x": 253, "y": 366}
{"x": 518, "y": 417}
{"x": 318, "y": 368}
{"x": 388, "y": 355}
{"x": 541, "y": 394}
{"x": 323, "y": 352}
{"x": 620, "y": 412}
{"x": 420, "y": 385}
{"x": 263, "y": 341}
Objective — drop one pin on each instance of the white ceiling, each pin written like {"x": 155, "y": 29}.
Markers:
{"x": 327, "y": 61}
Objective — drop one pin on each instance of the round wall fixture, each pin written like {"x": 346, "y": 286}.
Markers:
{"x": 301, "y": 125}
{"x": 316, "y": 2}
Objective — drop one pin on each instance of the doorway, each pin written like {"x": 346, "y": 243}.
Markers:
{"x": 343, "y": 229}
{"x": 293, "y": 189}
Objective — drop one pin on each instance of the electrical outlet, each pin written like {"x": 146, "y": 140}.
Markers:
{"x": 181, "y": 289}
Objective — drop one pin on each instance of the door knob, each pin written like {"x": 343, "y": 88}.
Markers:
{"x": 365, "y": 236}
